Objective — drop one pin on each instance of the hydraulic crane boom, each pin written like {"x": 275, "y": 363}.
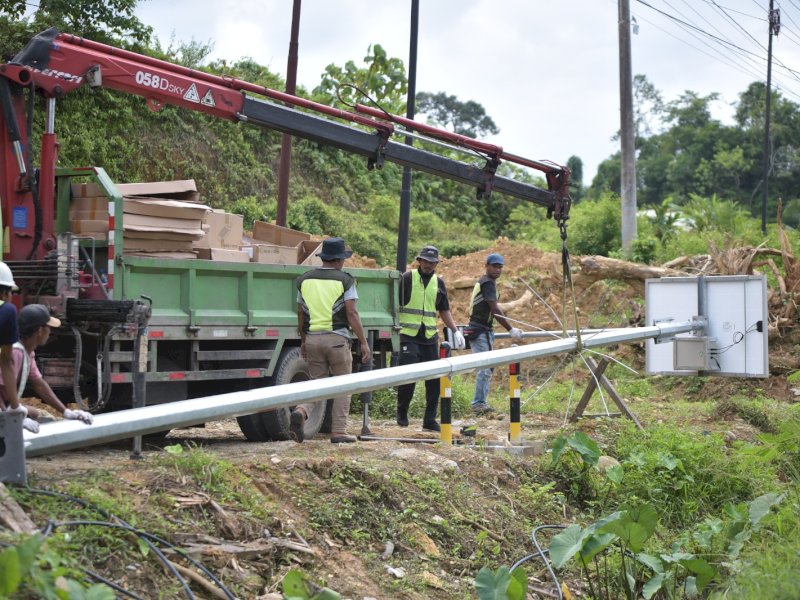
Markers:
{"x": 56, "y": 64}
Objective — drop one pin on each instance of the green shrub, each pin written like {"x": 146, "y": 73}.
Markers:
{"x": 594, "y": 227}
{"x": 683, "y": 474}
{"x": 750, "y": 410}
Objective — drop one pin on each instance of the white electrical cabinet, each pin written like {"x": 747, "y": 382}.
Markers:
{"x": 735, "y": 339}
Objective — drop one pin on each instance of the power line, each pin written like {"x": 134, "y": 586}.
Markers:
{"x": 725, "y": 60}
{"x": 795, "y": 74}
{"x": 744, "y": 14}
{"x": 677, "y": 20}
{"x": 745, "y": 54}
{"x": 687, "y": 3}
{"x": 736, "y": 23}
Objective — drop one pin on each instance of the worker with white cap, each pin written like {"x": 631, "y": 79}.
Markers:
{"x": 9, "y": 335}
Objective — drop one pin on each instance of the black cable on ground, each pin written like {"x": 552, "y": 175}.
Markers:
{"x": 145, "y": 536}
{"x": 52, "y": 525}
{"x": 118, "y": 588}
{"x": 542, "y": 554}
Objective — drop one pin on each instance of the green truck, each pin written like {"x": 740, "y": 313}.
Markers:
{"x": 153, "y": 330}
{"x": 214, "y": 327}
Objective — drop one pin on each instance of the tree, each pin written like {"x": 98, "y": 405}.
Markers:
{"x": 383, "y": 80}
{"x": 648, "y": 106}
{"x": 466, "y": 118}
{"x": 99, "y": 20}
{"x": 575, "y": 166}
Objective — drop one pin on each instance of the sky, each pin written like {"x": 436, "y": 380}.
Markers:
{"x": 546, "y": 71}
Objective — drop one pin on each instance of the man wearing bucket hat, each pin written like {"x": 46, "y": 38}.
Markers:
{"x": 326, "y": 305}
{"x": 422, "y": 295}
{"x": 485, "y": 309}
{"x": 35, "y": 323}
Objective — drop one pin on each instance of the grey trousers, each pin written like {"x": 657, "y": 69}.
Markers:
{"x": 328, "y": 354}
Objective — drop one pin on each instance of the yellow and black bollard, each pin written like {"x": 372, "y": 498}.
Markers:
{"x": 514, "y": 426}
{"x": 446, "y": 400}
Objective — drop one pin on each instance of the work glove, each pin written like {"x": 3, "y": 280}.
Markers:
{"x": 516, "y": 334}
{"x": 20, "y": 410}
{"x": 459, "y": 343}
{"x": 30, "y": 425}
{"x": 80, "y": 415}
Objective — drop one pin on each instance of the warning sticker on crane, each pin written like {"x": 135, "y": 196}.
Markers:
{"x": 191, "y": 94}
{"x": 208, "y": 99}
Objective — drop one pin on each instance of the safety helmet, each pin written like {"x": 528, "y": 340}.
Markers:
{"x": 6, "y": 278}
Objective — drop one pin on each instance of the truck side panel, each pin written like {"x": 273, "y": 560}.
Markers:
{"x": 204, "y": 293}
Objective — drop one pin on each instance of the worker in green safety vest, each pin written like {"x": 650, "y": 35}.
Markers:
{"x": 422, "y": 295}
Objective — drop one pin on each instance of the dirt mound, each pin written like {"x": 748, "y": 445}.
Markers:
{"x": 540, "y": 274}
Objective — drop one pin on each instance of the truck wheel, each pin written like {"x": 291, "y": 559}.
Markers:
{"x": 291, "y": 368}
{"x": 253, "y": 429}
{"x": 327, "y": 420}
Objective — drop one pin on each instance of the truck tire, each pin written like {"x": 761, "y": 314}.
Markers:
{"x": 327, "y": 420}
{"x": 253, "y": 429}
{"x": 291, "y": 368}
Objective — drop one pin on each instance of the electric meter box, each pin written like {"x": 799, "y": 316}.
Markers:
{"x": 692, "y": 352}
{"x": 734, "y": 342}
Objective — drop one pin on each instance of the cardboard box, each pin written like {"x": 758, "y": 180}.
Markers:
{"x": 156, "y": 207}
{"x": 225, "y": 230}
{"x": 86, "y": 190}
{"x": 181, "y": 190}
{"x": 274, "y": 255}
{"x": 223, "y": 254}
{"x": 306, "y": 252}
{"x": 166, "y": 223}
{"x": 89, "y": 227}
{"x": 88, "y": 215}
{"x": 277, "y": 235}
{"x": 89, "y": 203}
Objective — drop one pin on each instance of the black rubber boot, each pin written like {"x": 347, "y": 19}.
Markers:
{"x": 431, "y": 408}
{"x": 402, "y": 408}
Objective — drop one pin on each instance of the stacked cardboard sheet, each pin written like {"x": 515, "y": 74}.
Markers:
{"x": 162, "y": 219}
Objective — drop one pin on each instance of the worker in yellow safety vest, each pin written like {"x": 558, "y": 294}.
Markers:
{"x": 326, "y": 306}
{"x": 422, "y": 295}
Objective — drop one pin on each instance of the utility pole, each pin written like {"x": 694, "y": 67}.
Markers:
{"x": 285, "y": 166}
{"x": 774, "y": 23}
{"x": 627, "y": 139}
{"x": 405, "y": 191}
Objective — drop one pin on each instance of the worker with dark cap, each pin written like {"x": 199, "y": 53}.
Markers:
{"x": 35, "y": 323}
{"x": 326, "y": 305}
{"x": 422, "y": 295}
{"x": 485, "y": 309}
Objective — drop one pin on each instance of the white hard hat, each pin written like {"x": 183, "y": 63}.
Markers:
{"x": 6, "y": 278}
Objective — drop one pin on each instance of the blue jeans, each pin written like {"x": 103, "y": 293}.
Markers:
{"x": 483, "y": 343}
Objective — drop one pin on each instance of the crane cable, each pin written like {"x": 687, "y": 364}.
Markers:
{"x": 568, "y": 286}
